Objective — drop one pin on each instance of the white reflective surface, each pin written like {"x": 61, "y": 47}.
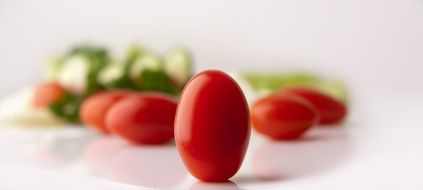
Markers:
{"x": 77, "y": 151}
{"x": 382, "y": 149}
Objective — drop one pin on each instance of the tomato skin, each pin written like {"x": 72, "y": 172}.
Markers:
{"x": 331, "y": 110}
{"x": 94, "y": 109}
{"x": 145, "y": 118}
{"x": 212, "y": 126}
{"x": 282, "y": 116}
{"x": 48, "y": 93}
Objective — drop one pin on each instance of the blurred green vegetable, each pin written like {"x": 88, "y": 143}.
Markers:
{"x": 125, "y": 81}
{"x": 267, "y": 83}
{"x": 147, "y": 61}
{"x": 87, "y": 69}
{"x": 98, "y": 58}
{"x": 79, "y": 68}
{"x": 67, "y": 108}
{"x": 110, "y": 75}
{"x": 157, "y": 80}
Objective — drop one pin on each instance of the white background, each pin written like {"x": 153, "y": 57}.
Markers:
{"x": 375, "y": 45}
{"x": 376, "y": 42}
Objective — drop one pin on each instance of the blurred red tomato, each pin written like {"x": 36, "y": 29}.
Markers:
{"x": 94, "y": 109}
{"x": 48, "y": 93}
{"x": 212, "y": 126}
{"x": 146, "y": 118}
{"x": 282, "y": 116}
{"x": 331, "y": 110}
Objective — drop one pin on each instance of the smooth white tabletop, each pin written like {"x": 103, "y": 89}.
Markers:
{"x": 379, "y": 147}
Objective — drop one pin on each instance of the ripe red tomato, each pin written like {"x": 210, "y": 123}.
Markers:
{"x": 282, "y": 116}
{"x": 146, "y": 118}
{"x": 331, "y": 110}
{"x": 212, "y": 126}
{"x": 48, "y": 93}
{"x": 94, "y": 109}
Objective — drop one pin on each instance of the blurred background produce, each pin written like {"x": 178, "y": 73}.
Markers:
{"x": 87, "y": 69}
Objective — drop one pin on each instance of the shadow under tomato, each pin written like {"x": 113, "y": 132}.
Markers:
{"x": 155, "y": 166}
{"x": 229, "y": 185}
{"x": 321, "y": 150}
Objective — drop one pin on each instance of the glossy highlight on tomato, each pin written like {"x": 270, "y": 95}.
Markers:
{"x": 94, "y": 109}
{"x": 145, "y": 118}
{"x": 212, "y": 126}
{"x": 331, "y": 110}
{"x": 283, "y": 116}
{"x": 48, "y": 93}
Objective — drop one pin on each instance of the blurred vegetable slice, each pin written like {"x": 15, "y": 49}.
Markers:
{"x": 120, "y": 80}
{"x": 147, "y": 61}
{"x": 81, "y": 67}
{"x": 178, "y": 65}
{"x": 18, "y": 110}
{"x": 52, "y": 68}
{"x": 111, "y": 74}
{"x": 74, "y": 74}
{"x": 98, "y": 58}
